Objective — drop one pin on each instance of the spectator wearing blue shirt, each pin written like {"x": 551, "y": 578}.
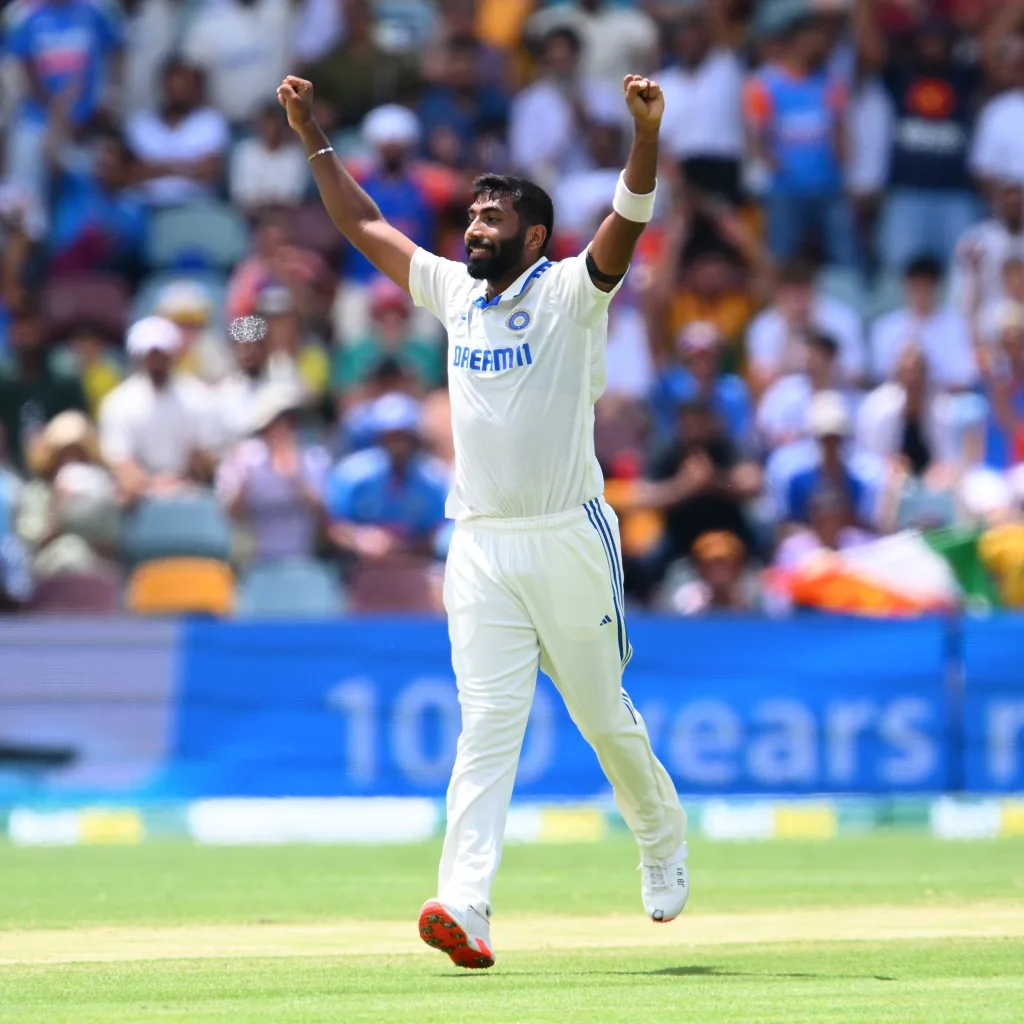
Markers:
{"x": 97, "y": 224}
{"x": 461, "y": 111}
{"x": 65, "y": 50}
{"x": 392, "y": 133}
{"x": 388, "y": 501}
{"x": 699, "y": 377}
{"x": 829, "y": 423}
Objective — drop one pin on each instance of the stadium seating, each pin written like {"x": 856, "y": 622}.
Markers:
{"x": 398, "y": 586}
{"x": 93, "y": 300}
{"x": 182, "y": 586}
{"x": 202, "y": 236}
{"x": 176, "y": 527}
{"x": 885, "y": 296}
{"x": 296, "y": 588}
{"x": 81, "y": 593}
{"x": 845, "y": 285}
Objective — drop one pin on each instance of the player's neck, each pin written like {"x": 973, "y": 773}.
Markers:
{"x": 498, "y": 285}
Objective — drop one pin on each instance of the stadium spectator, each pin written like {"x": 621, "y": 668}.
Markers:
{"x": 983, "y": 250}
{"x": 158, "y": 429}
{"x": 390, "y": 336}
{"x": 272, "y": 483}
{"x": 268, "y": 168}
{"x": 235, "y": 396}
{"x": 1004, "y": 445}
{"x": 94, "y": 364}
{"x": 940, "y": 331}
{"x": 584, "y": 197}
{"x": 699, "y": 377}
{"x": 294, "y": 356}
{"x": 204, "y": 352}
{"x": 795, "y": 109}
{"x": 151, "y": 31}
{"x": 459, "y": 114}
{"x": 829, "y": 424}
{"x": 548, "y": 119}
{"x": 782, "y": 413}
{"x": 180, "y": 145}
{"x": 703, "y": 124}
{"x": 459, "y": 18}
{"x": 930, "y": 202}
{"x": 832, "y": 527}
{"x": 16, "y": 585}
{"x": 358, "y": 74}
{"x": 244, "y": 49}
{"x": 775, "y": 340}
{"x": 388, "y": 500}
{"x": 97, "y": 223}
{"x": 721, "y": 584}
{"x": 67, "y": 515}
{"x": 23, "y": 225}
{"x": 67, "y": 51}
{"x": 616, "y": 40}
{"x": 997, "y": 151}
{"x": 32, "y": 389}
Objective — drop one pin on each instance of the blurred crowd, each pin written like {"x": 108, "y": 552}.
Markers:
{"x": 208, "y": 402}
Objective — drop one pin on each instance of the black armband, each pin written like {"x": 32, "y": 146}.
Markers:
{"x": 597, "y": 275}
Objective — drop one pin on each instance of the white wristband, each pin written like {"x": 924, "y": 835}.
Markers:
{"x": 639, "y": 209}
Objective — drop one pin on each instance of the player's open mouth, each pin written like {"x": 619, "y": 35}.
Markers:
{"x": 478, "y": 250}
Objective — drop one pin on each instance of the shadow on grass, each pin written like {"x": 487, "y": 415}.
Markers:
{"x": 713, "y": 971}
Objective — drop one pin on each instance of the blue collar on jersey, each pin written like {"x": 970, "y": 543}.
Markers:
{"x": 535, "y": 271}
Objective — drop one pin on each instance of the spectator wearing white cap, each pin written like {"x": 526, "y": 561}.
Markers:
{"x": 204, "y": 352}
{"x": 268, "y": 168}
{"x": 391, "y": 134}
{"x": 388, "y": 501}
{"x": 549, "y": 117}
{"x": 158, "y": 428}
{"x": 830, "y": 426}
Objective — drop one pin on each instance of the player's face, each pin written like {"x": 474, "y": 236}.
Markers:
{"x": 494, "y": 239}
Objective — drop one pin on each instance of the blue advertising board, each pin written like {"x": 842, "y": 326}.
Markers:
{"x": 993, "y": 708}
{"x": 370, "y": 708}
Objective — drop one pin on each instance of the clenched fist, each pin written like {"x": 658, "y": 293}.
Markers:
{"x": 296, "y": 96}
{"x": 646, "y": 103}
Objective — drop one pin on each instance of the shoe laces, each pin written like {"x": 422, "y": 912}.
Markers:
{"x": 655, "y": 874}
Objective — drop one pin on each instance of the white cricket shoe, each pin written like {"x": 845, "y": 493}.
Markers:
{"x": 666, "y": 885}
{"x": 464, "y": 933}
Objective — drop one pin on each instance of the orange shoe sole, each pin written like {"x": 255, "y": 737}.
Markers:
{"x": 441, "y": 931}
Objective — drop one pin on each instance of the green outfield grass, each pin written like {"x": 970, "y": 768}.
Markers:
{"x": 886, "y": 928}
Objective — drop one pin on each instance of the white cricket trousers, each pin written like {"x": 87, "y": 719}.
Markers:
{"x": 543, "y": 592}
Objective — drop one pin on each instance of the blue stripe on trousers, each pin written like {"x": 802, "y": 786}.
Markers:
{"x": 617, "y": 583}
{"x": 615, "y": 594}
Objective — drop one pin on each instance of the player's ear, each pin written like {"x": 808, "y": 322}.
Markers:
{"x": 536, "y": 235}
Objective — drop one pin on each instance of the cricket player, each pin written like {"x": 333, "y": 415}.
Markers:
{"x": 534, "y": 572}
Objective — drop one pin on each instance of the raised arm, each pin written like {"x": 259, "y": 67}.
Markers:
{"x": 616, "y": 238}
{"x": 354, "y": 213}
{"x": 868, "y": 34}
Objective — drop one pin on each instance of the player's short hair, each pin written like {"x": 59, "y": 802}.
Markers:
{"x": 530, "y": 201}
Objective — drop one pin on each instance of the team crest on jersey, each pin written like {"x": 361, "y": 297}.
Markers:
{"x": 518, "y": 320}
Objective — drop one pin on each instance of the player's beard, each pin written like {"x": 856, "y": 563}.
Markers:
{"x": 499, "y": 261}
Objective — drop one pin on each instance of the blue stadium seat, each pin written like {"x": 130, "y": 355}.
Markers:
{"x": 212, "y": 281}
{"x": 292, "y": 589}
{"x": 197, "y": 237}
{"x": 886, "y": 295}
{"x": 176, "y": 528}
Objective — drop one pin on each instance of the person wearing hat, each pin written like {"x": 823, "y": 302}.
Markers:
{"x": 390, "y": 335}
{"x": 388, "y": 500}
{"x": 204, "y": 353}
{"x": 719, "y": 558}
{"x": 158, "y": 428}
{"x": 67, "y": 514}
{"x": 271, "y": 482}
{"x": 698, "y": 375}
{"x": 830, "y": 426}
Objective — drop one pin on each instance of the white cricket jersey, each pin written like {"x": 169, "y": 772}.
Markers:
{"x": 524, "y": 372}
